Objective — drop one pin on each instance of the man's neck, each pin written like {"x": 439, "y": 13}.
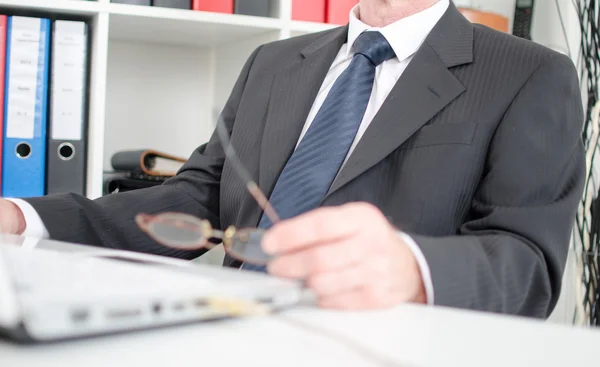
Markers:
{"x": 380, "y": 13}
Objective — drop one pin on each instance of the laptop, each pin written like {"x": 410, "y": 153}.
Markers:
{"x": 51, "y": 291}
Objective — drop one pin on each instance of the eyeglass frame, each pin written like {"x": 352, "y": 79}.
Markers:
{"x": 204, "y": 226}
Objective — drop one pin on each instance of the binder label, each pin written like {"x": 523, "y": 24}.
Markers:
{"x": 68, "y": 80}
{"x": 25, "y": 65}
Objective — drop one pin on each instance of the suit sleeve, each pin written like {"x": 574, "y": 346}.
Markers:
{"x": 509, "y": 255}
{"x": 109, "y": 220}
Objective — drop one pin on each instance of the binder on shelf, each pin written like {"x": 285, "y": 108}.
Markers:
{"x": 133, "y": 2}
{"x": 260, "y": 8}
{"x": 216, "y": 6}
{"x": 148, "y": 162}
{"x": 177, "y": 4}
{"x": 309, "y": 10}
{"x": 26, "y": 99}
{"x": 338, "y": 11}
{"x": 3, "y": 25}
{"x": 66, "y": 153}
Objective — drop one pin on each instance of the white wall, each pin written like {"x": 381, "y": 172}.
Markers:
{"x": 157, "y": 98}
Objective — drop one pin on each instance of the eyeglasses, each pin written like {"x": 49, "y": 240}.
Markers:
{"x": 186, "y": 232}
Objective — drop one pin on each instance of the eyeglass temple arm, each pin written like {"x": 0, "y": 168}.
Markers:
{"x": 252, "y": 187}
{"x": 262, "y": 201}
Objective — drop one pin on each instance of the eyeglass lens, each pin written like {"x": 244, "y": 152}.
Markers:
{"x": 178, "y": 231}
{"x": 245, "y": 246}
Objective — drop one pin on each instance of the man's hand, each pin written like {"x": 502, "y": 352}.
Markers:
{"x": 12, "y": 220}
{"x": 350, "y": 256}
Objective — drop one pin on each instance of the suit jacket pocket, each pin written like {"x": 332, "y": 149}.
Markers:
{"x": 442, "y": 134}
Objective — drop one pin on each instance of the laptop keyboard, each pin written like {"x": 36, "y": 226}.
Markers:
{"x": 50, "y": 272}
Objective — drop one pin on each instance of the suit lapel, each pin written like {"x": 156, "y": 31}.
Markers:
{"x": 424, "y": 89}
{"x": 293, "y": 93}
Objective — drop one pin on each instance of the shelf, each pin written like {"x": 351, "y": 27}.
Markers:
{"x": 184, "y": 27}
{"x": 175, "y": 65}
{"x": 169, "y": 26}
{"x": 72, "y": 7}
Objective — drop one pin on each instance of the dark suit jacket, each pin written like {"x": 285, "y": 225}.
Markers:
{"x": 476, "y": 153}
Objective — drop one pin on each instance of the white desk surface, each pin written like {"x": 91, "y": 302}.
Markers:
{"x": 409, "y": 335}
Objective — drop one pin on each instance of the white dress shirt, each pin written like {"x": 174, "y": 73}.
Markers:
{"x": 405, "y": 37}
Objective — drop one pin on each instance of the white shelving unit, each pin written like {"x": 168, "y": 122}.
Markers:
{"x": 158, "y": 75}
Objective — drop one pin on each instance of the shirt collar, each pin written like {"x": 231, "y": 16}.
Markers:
{"x": 406, "y": 35}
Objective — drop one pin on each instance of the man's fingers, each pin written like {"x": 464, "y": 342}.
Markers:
{"x": 369, "y": 270}
{"x": 341, "y": 281}
{"x": 317, "y": 227}
{"x": 364, "y": 298}
{"x": 319, "y": 259}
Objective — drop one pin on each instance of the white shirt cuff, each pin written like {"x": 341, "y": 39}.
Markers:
{"x": 34, "y": 226}
{"x": 423, "y": 266}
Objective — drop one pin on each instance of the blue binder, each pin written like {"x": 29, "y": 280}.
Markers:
{"x": 26, "y": 99}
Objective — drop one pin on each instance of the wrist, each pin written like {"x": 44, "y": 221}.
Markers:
{"x": 421, "y": 286}
{"x": 14, "y": 220}
{"x": 421, "y": 294}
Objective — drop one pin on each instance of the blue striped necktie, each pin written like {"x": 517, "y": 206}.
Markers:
{"x": 310, "y": 171}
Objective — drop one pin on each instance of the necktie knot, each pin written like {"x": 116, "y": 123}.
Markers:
{"x": 374, "y": 46}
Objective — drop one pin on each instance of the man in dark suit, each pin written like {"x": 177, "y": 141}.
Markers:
{"x": 420, "y": 158}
